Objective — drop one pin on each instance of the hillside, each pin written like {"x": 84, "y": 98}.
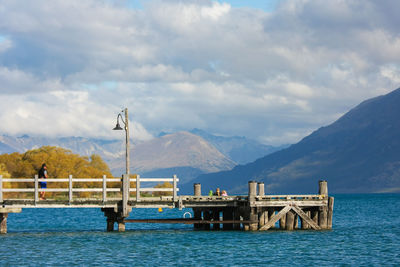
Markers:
{"x": 359, "y": 153}
{"x": 186, "y": 154}
{"x": 238, "y": 148}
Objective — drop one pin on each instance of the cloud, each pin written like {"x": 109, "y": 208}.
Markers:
{"x": 274, "y": 75}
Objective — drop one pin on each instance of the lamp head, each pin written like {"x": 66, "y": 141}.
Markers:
{"x": 117, "y": 127}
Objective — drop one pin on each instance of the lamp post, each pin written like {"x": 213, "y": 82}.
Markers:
{"x": 118, "y": 127}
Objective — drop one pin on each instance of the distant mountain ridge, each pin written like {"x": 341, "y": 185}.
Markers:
{"x": 359, "y": 153}
{"x": 178, "y": 150}
{"x": 238, "y": 148}
{"x": 187, "y": 154}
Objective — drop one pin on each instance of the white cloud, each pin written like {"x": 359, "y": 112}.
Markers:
{"x": 273, "y": 75}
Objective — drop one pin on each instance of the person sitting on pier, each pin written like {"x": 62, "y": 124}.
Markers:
{"x": 217, "y": 192}
{"x": 224, "y": 193}
{"x": 210, "y": 193}
{"x": 43, "y": 175}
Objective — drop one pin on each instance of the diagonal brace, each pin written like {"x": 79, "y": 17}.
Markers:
{"x": 275, "y": 218}
{"x": 305, "y": 218}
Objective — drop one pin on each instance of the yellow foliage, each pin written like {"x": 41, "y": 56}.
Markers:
{"x": 60, "y": 164}
{"x": 164, "y": 185}
{"x": 3, "y": 171}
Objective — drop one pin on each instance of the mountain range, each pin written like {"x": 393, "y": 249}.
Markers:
{"x": 186, "y": 154}
{"x": 358, "y": 153}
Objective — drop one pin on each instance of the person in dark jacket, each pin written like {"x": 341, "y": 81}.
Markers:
{"x": 43, "y": 185}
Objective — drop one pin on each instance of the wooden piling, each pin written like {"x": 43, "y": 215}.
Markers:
{"x": 314, "y": 215}
{"x": 261, "y": 189}
{"x": 3, "y": 223}
{"x": 3, "y": 217}
{"x": 197, "y": 216}
{"x": 236, "y": 216}
{"x": 262, "y": 217}
{"x": 254, "y": 220}
{"x": 330, "y": 212}
{"x": 121, "y": 225}
{"x": 197, "y": 189}
{"x": 215, "y": 216}
{"x": 228, "y": 215}
{"x": 323, "y": 188}
{"x": 304, "y": 224}
{"x": 207, "y": 215}
{"x": 323, "y": 217}
{"x": 290, "y": 221}
{"x": 252, "y": 190}
{"x": 296, "y": 221}
{"x": 282, "y": 223}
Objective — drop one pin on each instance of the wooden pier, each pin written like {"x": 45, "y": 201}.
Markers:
{"x": 255, "y": 211}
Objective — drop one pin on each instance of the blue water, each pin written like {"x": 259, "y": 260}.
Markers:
{"x": 366, "y": 231}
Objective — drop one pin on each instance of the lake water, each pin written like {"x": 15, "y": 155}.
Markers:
{"x": 366, "y": 231}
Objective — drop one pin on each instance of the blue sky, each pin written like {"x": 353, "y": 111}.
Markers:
{"x": 268, "y": 70}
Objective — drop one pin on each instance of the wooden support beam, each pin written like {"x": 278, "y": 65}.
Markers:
{"x": 236, "y": 217}
{"x": 228, "y": 216}
{"x": 323, "y": 217}
{"x": 275, "y": 218}
{"x": 207, "y": 216}
{"x": 282, "y": 222}
{"x": 330, "y": 212}
{"x": 254, "y": 219}
{"x": 3, "y": 223}
{"x": 121, "y": 225}
{"x": 197, "y": 216}
{"x": 262, "y": 217}
{"x": 271, "y": 213}
{"x": 215, "y": 216}
{"x": 304, "y": 224}
{"x": 305, "y": 218}
{"x": 290, "y": 220}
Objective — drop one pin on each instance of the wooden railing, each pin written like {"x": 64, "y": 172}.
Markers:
{"x": 124, "y": 188}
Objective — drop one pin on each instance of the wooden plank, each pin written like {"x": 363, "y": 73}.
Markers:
{"x": 282, "y": 203}
{"x": 155, "y": 179}
{"x": 10, "y": 210}
{"x": 305, "y": 218}
{"x": 185, "y": 221}
{"x": 19, "y": 180}
{"x": 87, "y": 190}
{"x": 275, "y": 218}
{"x": 19, "y": 190}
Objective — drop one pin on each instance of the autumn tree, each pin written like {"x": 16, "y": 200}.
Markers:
{"x": 60, "y": 162}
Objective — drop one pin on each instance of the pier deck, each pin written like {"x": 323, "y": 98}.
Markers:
{"x": 255, "y": 211}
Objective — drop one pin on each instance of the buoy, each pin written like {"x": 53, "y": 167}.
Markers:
{"x": 160, "y": 210}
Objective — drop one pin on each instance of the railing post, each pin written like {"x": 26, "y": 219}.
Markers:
{"x": 36, "y": 188}
{"x": 137, "y": 187}
{"x": 104, "y": 188}
{"x": 70, "y": 189}
{"x": 1, "y": 188}
{"x": 174, "y": 190}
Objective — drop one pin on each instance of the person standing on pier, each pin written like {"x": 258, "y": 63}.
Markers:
{"x": 43, "y": 175}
